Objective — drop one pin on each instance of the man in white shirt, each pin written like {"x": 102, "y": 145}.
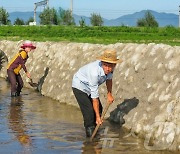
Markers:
{"x": 85, "y": 86}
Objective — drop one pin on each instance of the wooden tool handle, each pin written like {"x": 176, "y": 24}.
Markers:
{"x": 102, "y": 117}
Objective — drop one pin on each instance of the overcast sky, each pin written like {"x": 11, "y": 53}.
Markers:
{"x": 109, "y": 9}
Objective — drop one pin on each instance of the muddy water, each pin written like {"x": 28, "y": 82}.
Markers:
{"x": 36, "y": 124}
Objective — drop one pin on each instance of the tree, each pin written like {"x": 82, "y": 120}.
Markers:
{"x": 4, "y": 17}
{"x": 147, "y": 21}
{"x": 82, "y": 22}
{"x": 141, "y": 22}
{"x": 31, "y": 19}
{"x": 96, "y": 20}
{"x": 19, "y": 21}
{"x": 48, "y": 17}
{"x": 65, "y": 17}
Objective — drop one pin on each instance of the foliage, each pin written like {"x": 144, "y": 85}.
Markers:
{"x": 82, "y": 22}
{"x": 4, "y": 17}
{"x": 96, "y": 20}
{"x": 31, "y": 19}
{"x": 19, "y": 21}
{"x": 141, "y": 22}
{"x": 48, "y": 17}
{"x": 102, "y": 35}
{"x": 3, "y": 58}
{"x": 147, "y": 21}
{"x": 65, "y": 17}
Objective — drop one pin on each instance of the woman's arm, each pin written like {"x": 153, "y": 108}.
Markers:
{"x": 22, "y": 62}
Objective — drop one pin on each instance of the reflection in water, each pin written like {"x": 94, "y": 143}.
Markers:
{"x": 17, "y": 122}
{"x": 91, "y": 147}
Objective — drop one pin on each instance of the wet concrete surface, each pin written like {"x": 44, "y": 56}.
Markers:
{"x": 33, "y": 123}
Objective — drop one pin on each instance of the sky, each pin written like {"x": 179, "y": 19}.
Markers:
{"x": 109, "y": 9}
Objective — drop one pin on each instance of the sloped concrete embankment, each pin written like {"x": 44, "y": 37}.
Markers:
{"x": 151, "y": 73}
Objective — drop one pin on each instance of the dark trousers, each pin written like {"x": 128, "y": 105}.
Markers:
{"x": 15, "y": 81}
{"x": 86, "y": 106}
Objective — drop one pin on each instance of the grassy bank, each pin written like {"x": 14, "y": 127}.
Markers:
{"x": 101, "y": 35}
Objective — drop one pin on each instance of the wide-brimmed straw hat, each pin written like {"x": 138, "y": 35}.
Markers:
{"x": 28, "y": 44}
{"x": 109, "y": 56}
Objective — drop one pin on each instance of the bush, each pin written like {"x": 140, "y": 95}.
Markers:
{"x": 3, "y": 58}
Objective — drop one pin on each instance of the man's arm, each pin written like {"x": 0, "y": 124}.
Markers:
{"x": 95, "y": 102}
{"x": 109, "y": 91}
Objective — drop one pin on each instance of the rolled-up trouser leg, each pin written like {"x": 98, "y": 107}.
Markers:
{"x": 86, "y": 106}
{"x": 12, "y": 80}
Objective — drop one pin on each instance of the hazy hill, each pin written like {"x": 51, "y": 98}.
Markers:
{"x": 22, "y": 15}
{"x": 163, "y": 19}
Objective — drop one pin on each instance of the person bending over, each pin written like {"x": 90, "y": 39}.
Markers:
{"x": 85, "y": 84}
{"x": 15, "y": 65}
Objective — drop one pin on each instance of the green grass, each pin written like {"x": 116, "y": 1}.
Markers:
{"x": 101, "y": 35}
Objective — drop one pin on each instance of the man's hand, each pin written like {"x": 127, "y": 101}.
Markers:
{"x": 110, "y": 98}
{"x": 98, "y": 121}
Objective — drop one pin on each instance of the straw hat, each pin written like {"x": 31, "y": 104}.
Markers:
{"x": 28, "y": 44}
{"x": 109, "y": 56}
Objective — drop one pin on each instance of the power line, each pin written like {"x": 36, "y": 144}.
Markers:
{"x": 90, "y": 10}
{"x": 103, "y": 12}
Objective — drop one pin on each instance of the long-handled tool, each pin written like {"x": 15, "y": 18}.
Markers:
{"x": 32, "y": 83}
{"x": 98, "y": 125}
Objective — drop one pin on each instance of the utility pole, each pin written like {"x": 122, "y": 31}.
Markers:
{"x": 47, "y": 3}
{"x": 41, "y": 3}
{"x": 71, "y": 8}
{"x": 179, "y": 15}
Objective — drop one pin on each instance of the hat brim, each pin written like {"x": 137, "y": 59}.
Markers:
{"x": 110, "y": 61}
{"x": 28, "y": 46}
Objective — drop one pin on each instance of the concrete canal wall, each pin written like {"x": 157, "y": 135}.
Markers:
{"x": 149, "y": 72}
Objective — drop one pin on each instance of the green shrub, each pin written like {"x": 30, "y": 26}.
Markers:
{"x": 99, "y": 34}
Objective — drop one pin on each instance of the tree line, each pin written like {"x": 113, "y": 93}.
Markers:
{"x": 51, "y": 16}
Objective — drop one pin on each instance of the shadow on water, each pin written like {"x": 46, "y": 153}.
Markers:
{"x": 38, "y": 86}
{"x": 116, "y": 116}
{"x": 33, "y": 123}
{"x": 41, "y": 80}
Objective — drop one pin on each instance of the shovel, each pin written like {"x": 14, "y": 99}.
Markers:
{"x": 98, "y": 125}
{"x": 32, "y": 83}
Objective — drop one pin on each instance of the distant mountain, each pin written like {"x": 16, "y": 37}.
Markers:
{"x": 22, "y": 15}
{"x": 163, "y": 19}
{"x": 77, "y": 18}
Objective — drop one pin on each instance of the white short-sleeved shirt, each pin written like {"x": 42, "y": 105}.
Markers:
{"x": 89, "y": 77}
